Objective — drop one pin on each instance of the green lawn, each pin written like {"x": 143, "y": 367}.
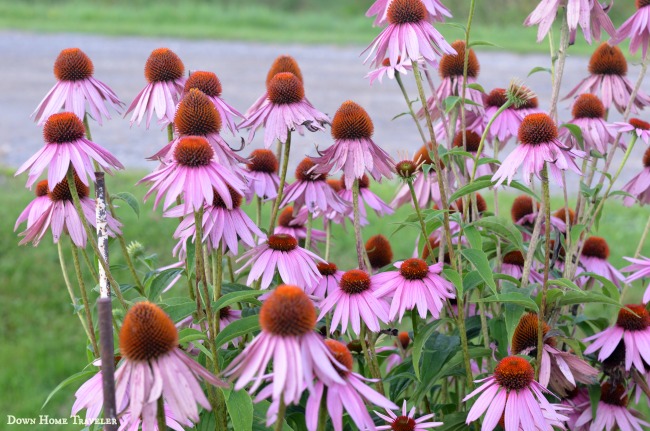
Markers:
{"x": 298, "y": 21}
{"x": 41, "y": 340}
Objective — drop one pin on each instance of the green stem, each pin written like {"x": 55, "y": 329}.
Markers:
{"x": 258, "y": 212}
{"x": 547, "y": 252}
{"x": 90, "y": 265}
{"x": 310, "y": 219}
{"x": 328, "y": 239}
{"x": 231, "y": 272}
{"x": 129, "y": 262}
{"x": 170, "y": 132}
{"x": 420, "y": 218}
{"x": 460, "y": 303}
{"x": 357, "y": 225}
{"x": 414, "y": 322}
{"x": 160, "y": 414}
{"x": 91, "y": 239}
{"x": 410, "y": 106}
{"x": 374, "y": 371}
{"x": 68, "y": 285}
{"x": 463, "y": 126}
{"x": 322, "y": 412}
{"x": 484, "y": 137}
{"x": 283, "y": 177}
{"x": 282, "y": 410}
{"x": 84, "y": 298}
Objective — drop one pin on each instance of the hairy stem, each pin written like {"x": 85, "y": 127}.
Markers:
{"x": 423, "y": 228}
{"x": 283, "y": 177}
{"x": 409, "y": 104}
{"x": 357, "y": 225}
{"x": 84, "y": 298}
{"x": 547, "y": 252}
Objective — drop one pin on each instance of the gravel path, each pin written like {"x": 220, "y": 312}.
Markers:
{"x": 332, "y": 75}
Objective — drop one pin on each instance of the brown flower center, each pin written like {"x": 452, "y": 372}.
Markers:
{"x": 521, "y": 207}
{"x": 163, "y": 65}
{"x": 364, "y": 182}
{"x": 263, "y": 161}
{"x": 481, "y": 205}
{"x": 73, "y": 64}
{"x": 196, "y": 115}
{"x": 285, "y": 88}
{"x": 608, "y": 60}
{"x": 341, "y": 353}
{"x": 61, "y": 191}
{"x": 351, "y": 122}
{"x": 355, "y": 281}
{"x": 225, "y": 312}
{"x": 404, "y": 339}
{"x": 303, "y": 171}
{"x": 537, "y": 129}
{"x": 406, "y": 11}
{"x": 206, "y": 82}
{"x": 147, "y": 333}
{"x": 335, "y": 184}
{"x": 616, "y": 359}
{"x": 514, "y": 258}
{"x": 637, "y": 321}
{"x": 454, "y": 64}
{"x": 62, "y": 128}
{"x": 639, "y": 124}
{"x": 414, "y": 269}
{"x": 422, "y": 155}
{"x": 596, "y": 246}
{"x": 326, "y": 269}
{"x": 646, "y": 158}
{"x": 496, "y": 98}
{"x": 472, "y": 140}
{"x": 283, "y": 63}
{"x": 288, "y": 312}
{"x": 41, "y": 189}
{"x": 642, "y": 3}
{"x": 613, "y": 395}
{"x": 403, "y": 423}
{"x": 588, "y": 106}
{"x": 525, "y": 335}
{"x": 530, "y": 102}
{"x": 286, "y": 217}
{"x": 380, "y": 253}
{"x": 514, "y": 373}
{"x": 282, "y": 242}
{"x": 234, "y": 196}
{"x": 193, "y": 151}
{"x": 562, "y": 212}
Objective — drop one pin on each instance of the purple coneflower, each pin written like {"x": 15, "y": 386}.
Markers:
{"x": 210, "y": 85}
{"x": 538, "y": 144}
{"x": 154, "y": 366}
{"x": 287, "y": 319}
{"x": 355, "y": 300}
{"x": 472, "y": 142}
{"x": 641, "y": 269}
{"x": 589, "y": 14}
{"x": 61, "y": 216}
{"x": 524, "y": 212}
{"x": 329, "y": 281}
{"x": 379, "y": 251}
{"x": 415, "y": 284}
{"x": 506, "y": 125}
{"x": 312, "y": 191}
{"x": 595, "y": 253}
{"x": 164, "y": 73}
{"x": 451, "y": 70}
{"x": 283, "y": 63}
{"x": 350, "y": 394}
{"x": 634, "y": 126}
{"x": 221, "y": 226}
{"x": 280, "y": 251}
{"x": 388, "y": 70}
{"x": 513, "y": 265}
{"x": 639, "y": 185}
{"x": 576, "y": 401}
{"x": 636, "y": 28}
{"x": 559, "y": 371}
{"x": 263, "y": 179}
{"x": 612, "y": 412}
{"x": 36, "y": 207}
{"x": 286, "y": 110}
{"x": 366, "y": 196}
{"x": 436, "y": 11}
{"x": 194, "y": 173}
{"x": 425, "y": 185}
{"x": 512, "y": 391}
{"x": 632, "y": 330}
{"x": 293, "y": 224}
{"x": 354, "y": 152}
{"x": 607, "y": 70}
{"x": 196, "y": 115}
{"x": 75, "y": 88}
{"x": 65, "y": 145}
{"x": 589, "y": 114}
{"x": 408, "y": 36}
{"x": 407, "y": 421}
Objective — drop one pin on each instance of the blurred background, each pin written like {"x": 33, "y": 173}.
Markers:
{"x": 41, "y": 343}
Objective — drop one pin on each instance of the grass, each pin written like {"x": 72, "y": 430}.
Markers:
{"x": 295, "y": 21}
{"x": 41, "y": 340}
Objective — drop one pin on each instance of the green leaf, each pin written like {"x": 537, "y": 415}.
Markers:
{"x": 474, "y": 237}
{"x": 576, "y": 131}
{"x": 239, "y": 296}
{"x": 537, "y": 69}
{"x": 572, "y": 298}
{"x": 400, "y": 115}
{"x": 129, "y": 199}
{"x": 519, "y": 186}
{"x": 567, "y": 284}
{"x": 479, "y": 259}
{"x": 178, "y": 308}
{"x": 450, "y": 102}
{"x": 502, "y": 227}
{"x": 455, "y": 279}
{"x": 472, "y": 187}
{"x": 471, "y": 280}
{"x": 483, "y": 43}
{"x": 237, "y": 329}
{"x": 240, "y": 409}
{"x": 476, "y": 86}
{"x": 418, "y": 344}
{"x": 594, "y": 398}
{"x": 511, "y": 298}
{"x": 259, "y": 415}
{"x": 160, "y": 281}
{"x": 188, "y": 335}
{"x": 82, "y": 375}
{"x": 609, "y": 288}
